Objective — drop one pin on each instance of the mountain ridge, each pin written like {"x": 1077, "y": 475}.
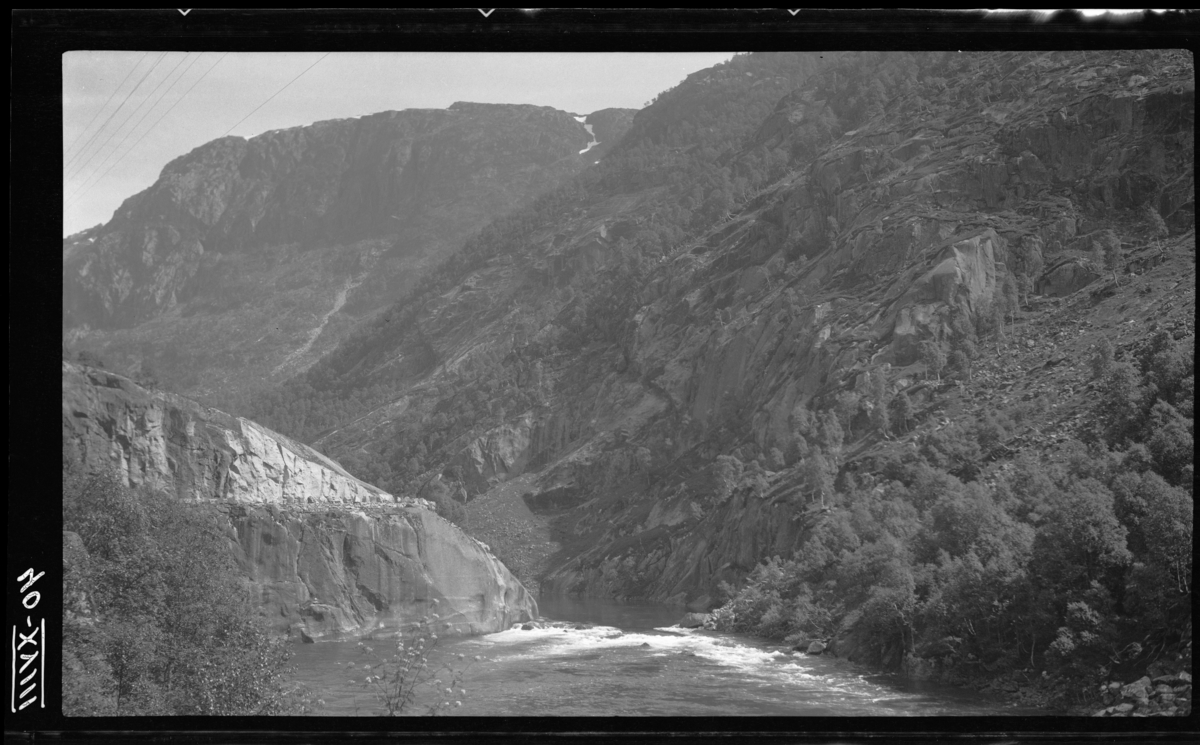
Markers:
{"x": 785, "y": 354}
{"x": 243, "y": 236}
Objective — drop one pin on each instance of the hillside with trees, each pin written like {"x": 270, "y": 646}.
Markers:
{"x": 889, "y": 352}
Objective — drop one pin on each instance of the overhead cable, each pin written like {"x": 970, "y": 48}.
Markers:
{"x": 110, "y": 116}
{"x": 106, "y": 103}
{"x": 276, "y": 93}
{"x": 156, "y": 121}
{"x": 132, "y": 129}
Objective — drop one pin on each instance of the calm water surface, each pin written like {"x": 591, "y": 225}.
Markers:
{"x": 632, "y": 663}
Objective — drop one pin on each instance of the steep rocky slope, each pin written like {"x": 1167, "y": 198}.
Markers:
{"x": 249, "y": 258}
{"x": 905, "y": 208}
{"x": 892, "y": 230}
{"x": 325, "y": 554}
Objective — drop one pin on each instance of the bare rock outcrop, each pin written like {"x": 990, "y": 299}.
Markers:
{"x": 165, "y": 441}
{"x": 345, "y": 573}
{"x": 963, "y": 276}
{"x": 324, "y": 553}
{"x": 332, "y": 182}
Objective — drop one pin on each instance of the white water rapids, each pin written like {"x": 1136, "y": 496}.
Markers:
{"x": 635, "y": 663}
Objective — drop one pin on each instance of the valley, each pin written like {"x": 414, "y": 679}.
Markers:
{"x": 891, "y": 352}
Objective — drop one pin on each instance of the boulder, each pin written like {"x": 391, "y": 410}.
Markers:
{"x": 692, "y": 621}
{"x": 817, "y": 647}
{"x": 1066, "y": 277}
{"x": 1138, "y": 691}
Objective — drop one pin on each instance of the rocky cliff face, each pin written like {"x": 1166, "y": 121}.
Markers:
{"x": 277, "y": 246}
{"x": 324, "y": 553}
{"x": 330, "y": 183}
{"x": 890, "y": 232}
{"x": 348, "y": 572}
{"x": 885, "y": 231}
{"x": 164, "y": 441}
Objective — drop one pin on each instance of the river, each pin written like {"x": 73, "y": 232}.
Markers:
{"x": 631, "y": 662}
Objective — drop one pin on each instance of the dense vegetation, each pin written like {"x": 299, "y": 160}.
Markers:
{"x": 1060, "y": 568}
{"x": 156, "y": 620}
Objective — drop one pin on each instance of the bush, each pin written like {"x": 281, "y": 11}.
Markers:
{"x": 406, "y": 677}
{"x": 159, "y": 621}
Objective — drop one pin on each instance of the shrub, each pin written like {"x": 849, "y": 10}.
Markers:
{"x": 409, "y": 676}
{"x": 1102, "y": 359}
{"x": 167, "y": 627}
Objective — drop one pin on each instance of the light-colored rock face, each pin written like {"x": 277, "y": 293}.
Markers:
{"x": 963, "y": 276}
{"x": 349, "y": 573}
{"x": 166, "y": 441}
{"x": 324, "y": 553}
{"x": 497, "y": 455}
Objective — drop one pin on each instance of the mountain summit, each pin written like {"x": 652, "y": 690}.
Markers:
{"x": 301, "y": 232}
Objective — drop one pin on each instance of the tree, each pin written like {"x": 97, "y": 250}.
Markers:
{"x": 847, "y": 405}
{"x": 933, "y": 357}
{"x": 1121, "y": 401}
{"x": 1011, "y": 297}
{"x": 1156, "y": 226}
{"x": 1170, "y": 440}
{"x": 961, "y": 327}
{"x": 1024, "y": 287}
{"x": 960, "y": 362}
{"x": 903, "y": 409}
{"x": 171, "y": 630}
{"x": 818, "y": 473}
{"x": 881, "y": 418}
{"x": 1080, "y": 537}
{"x": 438, "y": 492}
{"x": 1107, "y": 249}
{"x": 832, "y": 435}
{"x": 1167, "y": 528}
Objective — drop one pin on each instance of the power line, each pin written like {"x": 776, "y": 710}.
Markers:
{"x": 155, "y": 124}
{"x": 247, "y": 116}
{"x": 110, "y": 116}
{"x": 276, "y": 93}
{"x": 132, "y": 114}
{"x": 106, "y": 103}
{"x": 132, "y": 129}
{"x": 137, "y": 124}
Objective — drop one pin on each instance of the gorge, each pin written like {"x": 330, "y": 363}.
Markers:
{"x": 889, "y": 352}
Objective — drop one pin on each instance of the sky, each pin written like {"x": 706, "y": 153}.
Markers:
{"x": 127, "y": 114}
